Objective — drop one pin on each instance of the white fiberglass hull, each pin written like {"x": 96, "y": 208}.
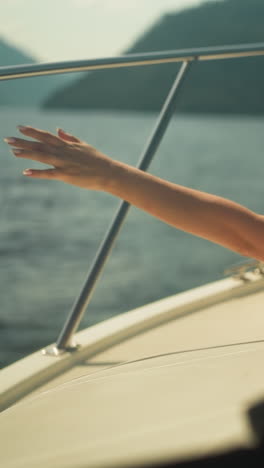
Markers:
{"x": 170, "y": 379}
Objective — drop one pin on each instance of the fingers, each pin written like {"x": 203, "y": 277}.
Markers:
{"x": 47, "y": 140}
{"x": 43, "y": 173}
{"x": 25, "y": 144}
{"x": 39, "y": 156}
{"x": 49, "y": 149}
{"x": 67, "y": 136}
{"x": 41, "y": 135}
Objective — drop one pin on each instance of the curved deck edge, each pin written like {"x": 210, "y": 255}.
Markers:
{"x": 26, "y": 375}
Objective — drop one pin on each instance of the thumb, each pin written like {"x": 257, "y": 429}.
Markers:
{"x": 66, "y": 136}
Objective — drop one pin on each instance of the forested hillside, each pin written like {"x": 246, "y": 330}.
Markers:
{"x": 225, "y": 86}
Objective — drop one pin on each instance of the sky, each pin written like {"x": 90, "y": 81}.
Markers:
{"x": 57, "y": 30}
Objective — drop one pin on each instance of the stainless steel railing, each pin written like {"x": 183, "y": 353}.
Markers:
{"x": 64, "y": 341}
{"x": 107, "y": 244}
{"x": 131, "y": 60}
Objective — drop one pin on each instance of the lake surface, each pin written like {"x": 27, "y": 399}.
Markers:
{"x": 49, "y": 231}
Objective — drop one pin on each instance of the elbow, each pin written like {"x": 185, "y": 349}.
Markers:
{"x": 252, "y": 243}
{"x": 251, "y": 252}
{"x": 254, "y": 252}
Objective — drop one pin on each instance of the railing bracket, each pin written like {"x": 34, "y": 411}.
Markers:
{"x": 55, "y": 351}
{"x": 240, "y": 271}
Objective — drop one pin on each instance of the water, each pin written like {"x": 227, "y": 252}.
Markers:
{"x": 49, "y": 231}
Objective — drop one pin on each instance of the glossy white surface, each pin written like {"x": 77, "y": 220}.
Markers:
{"x": 177, "y": 390}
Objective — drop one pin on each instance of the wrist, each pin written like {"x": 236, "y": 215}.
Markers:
{"x": 124, "y": 181}
{"x": 114, "y": 178}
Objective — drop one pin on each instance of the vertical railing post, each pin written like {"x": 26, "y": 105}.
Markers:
{"x": 65, "y": 338}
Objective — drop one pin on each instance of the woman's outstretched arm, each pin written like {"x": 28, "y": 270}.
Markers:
{"x": 209, "y": 216}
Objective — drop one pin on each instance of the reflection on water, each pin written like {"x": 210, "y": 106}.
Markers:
{"x": 49, "y": 231}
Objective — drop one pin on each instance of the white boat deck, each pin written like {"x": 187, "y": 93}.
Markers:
{"x": 217, "y": 326}
{"x": 180, "y": 389}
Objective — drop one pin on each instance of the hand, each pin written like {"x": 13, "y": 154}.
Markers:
{"x": 73, "y": 161}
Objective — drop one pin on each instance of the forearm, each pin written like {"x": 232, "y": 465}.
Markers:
{"x": 214, "y": 218}
{"x": 75, "y": 162}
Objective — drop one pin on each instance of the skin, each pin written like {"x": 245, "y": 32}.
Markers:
{"x": 205, "y": 215}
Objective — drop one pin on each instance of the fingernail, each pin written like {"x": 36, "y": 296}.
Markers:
{"x": 22, "y": 127}
{"x": 27, "y": 172}
{"x": 17, "y": 151}
{"x": 10, "y": 140}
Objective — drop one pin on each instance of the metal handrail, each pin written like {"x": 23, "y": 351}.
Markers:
{"x": 64, "y": 341}
{"x": 151, "y": 58}
{"x": 168, "y": 108}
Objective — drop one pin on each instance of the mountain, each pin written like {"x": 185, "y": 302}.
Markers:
{"x": 25, "y": 91}
{"x": 225, "y": 86}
